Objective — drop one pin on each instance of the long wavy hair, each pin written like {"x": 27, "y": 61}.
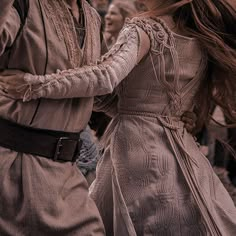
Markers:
{"x": 213, "y": 23}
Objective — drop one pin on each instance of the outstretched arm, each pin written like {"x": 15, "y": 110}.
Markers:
{"x": 132, "y": 44}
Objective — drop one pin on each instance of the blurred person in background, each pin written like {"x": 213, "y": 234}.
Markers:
{"x": 221, "y": 146}
{"x": 101, "y": 6}
{"x": 118, "y": 12}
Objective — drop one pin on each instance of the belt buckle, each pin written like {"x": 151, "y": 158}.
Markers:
{"x": 60, "y": 145}
{"x": 77, "y": 151}
{"x": 58, "y": 148}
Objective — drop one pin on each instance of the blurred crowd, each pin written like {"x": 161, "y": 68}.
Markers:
{"x": 216, "y": 141}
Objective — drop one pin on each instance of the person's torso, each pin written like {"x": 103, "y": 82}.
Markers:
{"x": 48, "y": 42}
{"x": 164, "y": 84}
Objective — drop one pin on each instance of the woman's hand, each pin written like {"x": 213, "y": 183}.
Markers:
{"x": 13, "y": 84}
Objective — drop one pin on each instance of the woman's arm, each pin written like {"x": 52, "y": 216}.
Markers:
{"x": 132, "y": 45}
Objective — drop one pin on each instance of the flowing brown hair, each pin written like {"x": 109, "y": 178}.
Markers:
{"x": 213, "y": 23}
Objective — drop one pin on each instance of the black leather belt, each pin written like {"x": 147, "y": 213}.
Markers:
{"x": 55, "y": 145}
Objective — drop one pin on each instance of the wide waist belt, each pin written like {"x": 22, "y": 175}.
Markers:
{"x": 55, "y": 145}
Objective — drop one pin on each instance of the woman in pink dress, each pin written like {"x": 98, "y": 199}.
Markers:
{"x": 115, "y": 18}
{"x": 153, "y": 179}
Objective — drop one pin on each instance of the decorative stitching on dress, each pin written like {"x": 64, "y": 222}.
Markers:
{"x": 65, "y": 28}
{"x": 162, "y": 39}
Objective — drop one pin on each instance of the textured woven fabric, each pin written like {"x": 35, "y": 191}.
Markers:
{"x": 40, "y": 197}
{"x": 152, "y": 179}
{"x": 156, "y": 179}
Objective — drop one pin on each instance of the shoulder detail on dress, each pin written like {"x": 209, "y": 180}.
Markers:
{"x": 160, "y": 35}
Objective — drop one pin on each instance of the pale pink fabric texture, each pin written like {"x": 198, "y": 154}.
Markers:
{"x": 152, "y": 179}
{"x": 156, "y": 179}
{"x": 40, "y": 197}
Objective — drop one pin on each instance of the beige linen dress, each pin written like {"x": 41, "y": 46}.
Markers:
{"x": 152, "y": 179}
{"x": 40, "y": 197}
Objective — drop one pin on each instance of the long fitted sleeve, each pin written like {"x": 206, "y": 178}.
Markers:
{"x": 99, "y": 79}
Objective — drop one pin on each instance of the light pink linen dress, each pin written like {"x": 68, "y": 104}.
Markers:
{"x": 152, "y": 179}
